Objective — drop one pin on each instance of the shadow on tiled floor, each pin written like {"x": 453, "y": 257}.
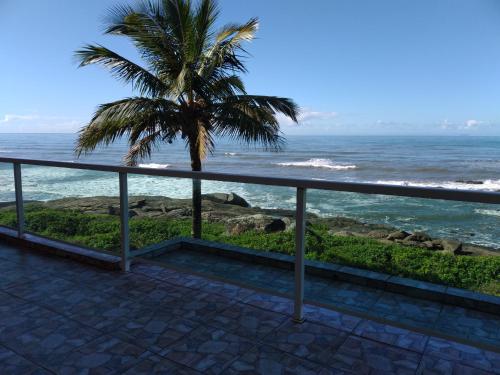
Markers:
{"x": 419, "y": 314}
{"x": 62, "y": 317}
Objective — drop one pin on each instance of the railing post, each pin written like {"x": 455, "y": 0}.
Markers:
{"x": 18, "y": 188}
{"x": 124, "y": 228}
{"x": 300, "y": 231}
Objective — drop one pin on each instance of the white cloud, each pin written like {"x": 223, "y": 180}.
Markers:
{"x": 445, "y": 124}
{"x": 11, "y": 118}
{"x": 472, "y": 123}
{"x": 467, "y": 125}
{"x": 307, "y": 116}
{"x": 34, "y": 123}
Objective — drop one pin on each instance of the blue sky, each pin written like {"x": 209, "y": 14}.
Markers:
{"x": 354, "y": 66}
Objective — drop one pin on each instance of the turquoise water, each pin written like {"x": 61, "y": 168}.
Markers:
{"x": 471, "y": 163}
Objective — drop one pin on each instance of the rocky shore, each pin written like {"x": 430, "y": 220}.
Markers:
{"x": 238, "y": 216}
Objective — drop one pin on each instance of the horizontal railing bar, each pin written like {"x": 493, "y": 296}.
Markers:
{"x": 353, "y": 187}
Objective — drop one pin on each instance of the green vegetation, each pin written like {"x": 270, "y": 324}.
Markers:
{"x": 480, "y": 273}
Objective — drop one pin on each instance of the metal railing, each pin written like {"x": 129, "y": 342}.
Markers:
{"x": 301, "y": 186}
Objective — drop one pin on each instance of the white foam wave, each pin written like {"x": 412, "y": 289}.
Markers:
{"x": 230, "y": 154}
{"x": 489, "y": 185}
{"x": 488, "y": 212}
{"x": 318, "y": 163}
{"x": 154, "y": 165}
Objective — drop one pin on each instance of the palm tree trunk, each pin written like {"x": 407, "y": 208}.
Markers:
{"x": 196, "y": 198}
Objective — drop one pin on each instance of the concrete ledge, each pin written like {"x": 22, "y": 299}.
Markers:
{"x": 157, "y": 249}
{"x": 62, "y": 249}
{"x": 240, "y": 253}
{"x": 410, "y": 287}
{"x": 414, "y": 288}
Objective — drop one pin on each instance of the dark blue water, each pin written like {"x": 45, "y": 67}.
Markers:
{"x": 453, "y": 162}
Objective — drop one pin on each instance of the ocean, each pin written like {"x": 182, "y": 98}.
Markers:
{"x": 471, "y": 163}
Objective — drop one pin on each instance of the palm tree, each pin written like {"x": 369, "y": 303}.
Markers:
{"x": 188, "y": 86}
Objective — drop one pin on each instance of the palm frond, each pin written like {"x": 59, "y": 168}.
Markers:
{"x": 142, "y": 148}
{"x": 148, "y": 28}
{"x": 204, "y": 20}
{"x": 250, "y": 126}
{"x": 234, "y": 34}
{"x": 273, "y": 104}
{"x": 242, "y": 127}
{"x": 178, "y": 15}
{"x": 130, "y": 116}
{"x": 204, "y": 142}
{"x": 252, "y": 119}
{"x": 216, "y": 89}
{"x": 142, "y": 80}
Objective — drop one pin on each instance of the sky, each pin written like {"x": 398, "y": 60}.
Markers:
{"x": 355, "y": 67}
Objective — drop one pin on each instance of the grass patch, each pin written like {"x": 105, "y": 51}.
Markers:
{"x": 481, "y": 273}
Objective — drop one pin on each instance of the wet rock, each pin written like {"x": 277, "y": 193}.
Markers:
{"x": 231, "y": 198}
{"x": 398, "y": 235}
{"x": 137, "y": 203}
{"x": 113, "y": 211}
{"x": 438, "y": 245}
{"x": 377, "y": 234}
{"x": 258, "y": 222}
{"x": 418, "y": 237}
{"x": 406, "y": 242}
{"x": 451, "y": 246}
{"x": 291, "y": 225}
{"x": 429, "y": 245}
{"x": 179, "y": 213}
{"x": 342, "y": 233}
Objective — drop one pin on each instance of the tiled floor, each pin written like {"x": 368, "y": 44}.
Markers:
{"x": 58, "y": 316}
{"x": 418, "y": 314}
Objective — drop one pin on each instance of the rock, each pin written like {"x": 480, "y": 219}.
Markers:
{"x": 418, "y": 237}
{"x": 139, "y": 203}
{"x": 113, "y": 210}
{"x": 437, "y": 244}
{"x": 398, "y": 235}
{"x": 231, "y": 198}
{"x": 179, "y": 213}
{"x": 258, "y": 222}
{"x": 291, "y": 224}
{"x": 377, "y": 234}
{"x": 451, "y": 246}
{"x": 429, "y": 245}
{"x": 342, "y": 233}
{"x": 406, "y": 242}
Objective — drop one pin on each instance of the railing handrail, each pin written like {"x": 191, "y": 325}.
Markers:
{"x": 353, "y": 187}
{"x": 300, "y": 185}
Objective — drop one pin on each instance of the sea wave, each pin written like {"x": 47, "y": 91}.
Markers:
{"x": 230, "y": 154}
{"x": 488, "y": 185}
{"x": 487, "y": 212}
{"x": 154, "y": 165}
{"x": 318, "y": 163}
